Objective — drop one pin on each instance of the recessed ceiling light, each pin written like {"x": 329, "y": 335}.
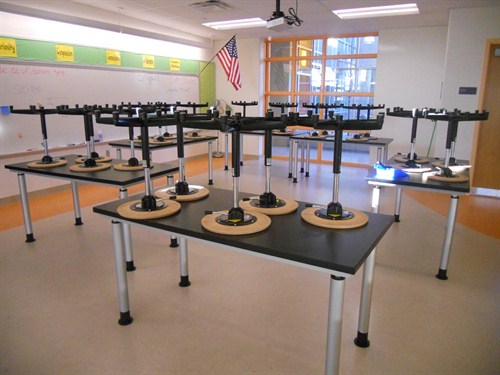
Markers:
{"x": 236, "y": 24}
{"x": 381, "y": 11}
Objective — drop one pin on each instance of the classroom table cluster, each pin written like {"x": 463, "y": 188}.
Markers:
{"x": 326, "y": 236}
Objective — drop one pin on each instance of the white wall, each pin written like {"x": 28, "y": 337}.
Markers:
{"x": 410, "y": 71}
{"x": 251, "y": 59}
{"x": 468, "y": 32}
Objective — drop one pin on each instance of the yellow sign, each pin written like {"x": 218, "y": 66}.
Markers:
{"x": 8, "y": 47}
{"x": 175, "y": 64}
{"x": 65, "y": 53}
{"x": 148, "y": 61}
{"x": 113, "y": 57}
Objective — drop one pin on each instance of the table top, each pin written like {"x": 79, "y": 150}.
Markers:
{"x": 288, "y": 237}
{"x": 330, "y": 138}
{"x": 419, "y": 180}
{"x": 124, "y": 143}
{"x": 108, "y": 176}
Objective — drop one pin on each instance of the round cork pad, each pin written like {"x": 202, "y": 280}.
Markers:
{"x": 189, "y": 136}
{"x": 209, "y": 222}
{"x": 287, "y": 132}
{"x": 404, "y": 159}
{"x": 103, "y": 159}
{"x": 126, "y": 210}
{"x": 83, "y": 168}
{"x": 359, "y": 219}
{"x": 363, "y": 139}
{"x": 39, "y": 164}
{"x": 201, "y": 193}
{"x": 290, "y": 206}
{"x": 455, "y": 178}
{"x": 320, "y": 136}
{"x": 126, "y": 167}
{"x": 156, "y": 142}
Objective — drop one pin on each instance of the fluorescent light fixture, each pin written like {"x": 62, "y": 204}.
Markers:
{"x": 381, "y": 11}
{"x": 236, "y": 24}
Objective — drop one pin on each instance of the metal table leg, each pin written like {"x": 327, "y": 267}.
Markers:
{"x": 183, "y": 263}
{"x": 397, "y": 208}
{"x": 121, "y": 275}
{"x": 308, "y": 158}
{"x": 450, "y": 227}
{"x": 334, "y": 332}
{"x": 290, "y": 158}
{"x": 302, "y": 156}
{"x": 295, "y": 146}
{"x": 226, "y": 153}
{"x": 361, "y": 339}
{"x": 127, "y": 238}
{"x": 76, "y": 203}
{"x": 210, "y": 171}
{"x": 21, "y": 178}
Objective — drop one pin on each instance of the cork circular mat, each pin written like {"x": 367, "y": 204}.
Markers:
{"x": 363, "y": 139}
{"x": 39, "y": 164}
{"x": 195, "y": 136}
{"x": 290, "y": 206}
{"x": 165, "y": 142}
{"x": 126, "y": 167}
{"x": 455, "y": 178}
{"x": 404, "y": 159}
{"x": 169, "y": 193}
{"x": 104, "y": 159}
{"x": 83, "y": 168}
{"x": 359, "y": 219}
{"x": 209, "y": 222}
{"x": 319, "y": 136}
{"x": 126, "y": 210}
{"x": 287, "y": 132}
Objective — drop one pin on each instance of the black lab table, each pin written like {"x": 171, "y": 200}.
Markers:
{"x": 339, "y": 253}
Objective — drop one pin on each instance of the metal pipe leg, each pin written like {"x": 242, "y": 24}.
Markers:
{"x": 183, "y": 263}
{"x": 450, "y": 227}
{"x": 76, "y": 203}
{"x": 290, "y": 158}
{"x": 334, "y": 332}
{"x": 23, "y": 192}
{"x": 379, "y": 154}
{"x": 308, "y": 158}
{"x": 241, "y": 149}
{"x": 210, "y": 170}
{"x": 121, "y": 275}
{"x": 365, "y": 304}
{"x": 397, "y": 209}
{"x": 226, "y": 153}
{"x": 127, "y": 238}
{"x": 119, "y": 153}
{"x": 302, "y": 157}
{"x": 295, "y": 160}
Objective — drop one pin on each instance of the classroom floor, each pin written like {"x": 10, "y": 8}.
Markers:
{"x": 244, "y": 314}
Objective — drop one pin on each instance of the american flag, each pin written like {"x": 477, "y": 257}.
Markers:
{"x": 228, "y": 57}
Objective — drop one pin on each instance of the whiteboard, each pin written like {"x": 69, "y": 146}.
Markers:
{"x": 50, "y": 85}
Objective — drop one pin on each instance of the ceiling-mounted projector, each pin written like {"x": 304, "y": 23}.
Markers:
{"x": 278, "y": 24}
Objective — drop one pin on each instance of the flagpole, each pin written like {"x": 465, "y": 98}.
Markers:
{"x": 234, "y": 36}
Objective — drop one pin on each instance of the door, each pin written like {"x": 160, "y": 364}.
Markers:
{"x": 486, "y": 161}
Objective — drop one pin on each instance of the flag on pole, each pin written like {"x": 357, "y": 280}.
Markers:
{"x": 228, "y": 57}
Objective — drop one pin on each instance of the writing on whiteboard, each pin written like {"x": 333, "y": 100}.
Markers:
{"x": 148, "y": 78}
{"x": 32, "y": 71}
{"x": 28, "y": 90}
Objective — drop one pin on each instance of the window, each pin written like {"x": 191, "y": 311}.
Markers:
{"x": 329, "y": 70}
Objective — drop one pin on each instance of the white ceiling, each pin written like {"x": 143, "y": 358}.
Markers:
{"x": 177, "y": 21}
